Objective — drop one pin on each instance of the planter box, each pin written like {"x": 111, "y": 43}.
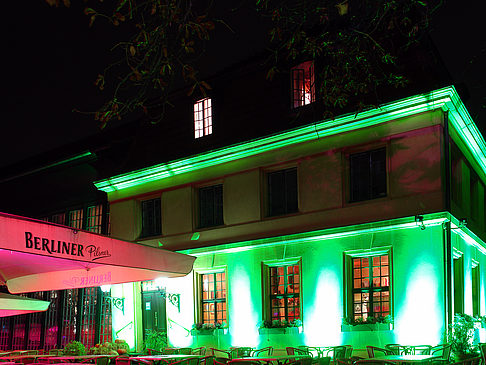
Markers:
{"x": 367, "y": 327}
{"x": 209, "y": 332}
{"x": 280, "y": 331}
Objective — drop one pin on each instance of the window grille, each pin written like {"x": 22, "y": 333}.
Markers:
{"x": 211, "y": 206}
{"x": 88, "y": 317}
{"x": 106, "y": 329}
{"x": 282, "y": 192}
{"x": 371, "y": 286}
{"x": 52, "y": 328}
{"x": 59, "y": 218}
{"x": 18, "y": 335}
{"x": 94, "y": 218}
{"x": 5, "y": 333}
{"x": 367, "y": 175}
{"x": 69, "y": 316}
{"x": 151, "y": 219}
{"x": 76, "y": 218}
{"x": 303, "y": 87}
{"x": 213, "y": 294}
{"x": 284, "y": 292}
{"x": 203, "y": 118}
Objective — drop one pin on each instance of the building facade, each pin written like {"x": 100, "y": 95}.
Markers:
{"x": 364, "y": 229}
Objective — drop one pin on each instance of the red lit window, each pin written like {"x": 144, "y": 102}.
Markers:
{"x": 203, "y": 118}
{"x": 371, "y": 287}
{"x": 213, "y": 294}
{"x": 303, "y": 88}
{"x": 285, "y": 292}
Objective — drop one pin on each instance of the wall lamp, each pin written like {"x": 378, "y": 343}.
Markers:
{"x": 419, "y": 220}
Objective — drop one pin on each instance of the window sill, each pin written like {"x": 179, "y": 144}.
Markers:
{"x": 209, "y": 332}
{"x": 280, "y": 331}
{"x": 367, "y": 327}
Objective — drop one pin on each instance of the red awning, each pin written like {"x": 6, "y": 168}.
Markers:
{"x": 38, "y": 256}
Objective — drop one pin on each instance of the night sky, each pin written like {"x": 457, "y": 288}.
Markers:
{"x": 51, "y": 58}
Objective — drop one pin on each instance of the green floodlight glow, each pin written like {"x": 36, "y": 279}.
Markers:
{"x": 419, "y": 319}
{"x": 446, "y": 99}
{"x": 242, "y": 310}
{"x": 325, "y": 312}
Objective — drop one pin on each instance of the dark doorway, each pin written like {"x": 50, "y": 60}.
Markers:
{"x": 153, "y": 309}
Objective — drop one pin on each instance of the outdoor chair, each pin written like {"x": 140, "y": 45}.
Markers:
{"x": 221, "y": 356}
{"x": 184, "y": 351}
{"x": 191, "y": 361}
{"x": 374, "y": 351}
{"x": 55, "y": 352}
{"x": 306, "y": 361}
{"x": 297, "y": 351}
{"x": 374, "y": 362}
{"x": 207, "y": 360}
{"x": 469, "y": 361}
{"x": 398, "y": 349}
{"x": 154, "y": 352}
{"x": 243, "y": 362}
{"x": 265, "y": 351}
{"x": 420, "y": 349}
{"x": 337, "y": 352}
{"x": 482, "y": 349}
{"x": 236, "y": 352}
{"x": 199, "y": 350}
{"x": 443, "y": 353}
{"x": 170, "y": 351}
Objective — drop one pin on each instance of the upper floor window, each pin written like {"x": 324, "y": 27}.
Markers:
{"x": 211, "y": 206}
{"x": 94, "y": 218}
{"x": 203, "y": 118}
{"x": 303, "y": 87}
{"x": 370, "y": 287}
{"x": 76, "y": 218}
{"x": 367, "y": 175}
{"x": 284, "y": 288}
{"x": 151, "y": 219}
{"x": 213, "y": 298}
{"x": 282, "y": 192}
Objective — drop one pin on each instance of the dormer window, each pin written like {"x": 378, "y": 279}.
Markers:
{"x": 203, "y": 118}
{"x": 303, "y": 87}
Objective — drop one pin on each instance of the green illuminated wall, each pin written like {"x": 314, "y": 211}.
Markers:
{"x": 418, "y": 287}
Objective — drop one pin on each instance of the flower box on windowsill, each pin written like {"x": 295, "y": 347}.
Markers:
{"x": 209, "y": 331}
{"x": 367, "y": 327}
{"x": 279, "y": 330}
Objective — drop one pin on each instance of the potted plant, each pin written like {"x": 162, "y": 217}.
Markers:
{"x": 280, "y": 327}
{"x": 208, "y": 328}
{"x": 74, "y": 348}
{"x": 461, "y": 336}
{"x": 155, "y": 340}
{"x": 371, "y": 323}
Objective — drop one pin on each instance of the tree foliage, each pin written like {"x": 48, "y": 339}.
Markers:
{"x": 356, "y": 45}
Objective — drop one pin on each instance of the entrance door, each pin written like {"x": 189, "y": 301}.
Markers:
{"x": 154, "y": 316}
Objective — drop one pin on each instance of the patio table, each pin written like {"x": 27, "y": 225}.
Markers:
{"x": 73, "y": 358}
{"x": 21, "y": 357}
{"x": 278, "y": 359}
{"x": 408, "y": 359}
{"x": 163, "y": 358}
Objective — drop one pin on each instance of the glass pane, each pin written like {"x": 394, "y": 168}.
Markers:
{"x": 357, "y": 273}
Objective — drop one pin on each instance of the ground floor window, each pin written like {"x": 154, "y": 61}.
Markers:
{"x": 213, "y": 298}
{"x": 369, "y": 286}
{"x": 282, "y": 292}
